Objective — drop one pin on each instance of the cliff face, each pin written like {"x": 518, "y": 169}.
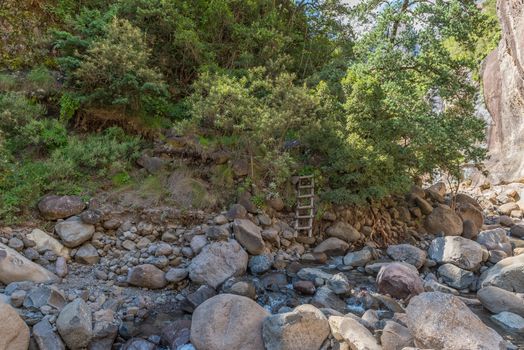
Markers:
{"x": 503, "y": 84}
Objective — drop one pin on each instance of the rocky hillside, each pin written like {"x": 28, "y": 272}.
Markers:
{"x": 100, "y": 275}
{"x": 503, "y": 84}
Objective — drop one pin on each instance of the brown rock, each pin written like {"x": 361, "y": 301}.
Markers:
{"x": 14, "y": 333}
{"x": 59, "y": 207}
{"x": 399, "y": 280}
{"x": 147, "y": 276}
{"x": 249, "y": 236}
{"x": 332, "y": 247}
{"x": 443, "y": 220}
{"x": 228, "y": 322}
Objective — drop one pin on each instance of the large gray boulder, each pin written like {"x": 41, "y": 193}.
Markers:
{"x": 507, "y": 274}
{"x": 498, "y": 300}
{"x": 217, "y": 262}
{"x": 458, "y": 251}
{"x": 60, "y": 207}
{"x": 14, "y": 333}
{"x": 399, "y": 280}
{"x": 407, "y": 253}
{"x": 442, "y": 321}
{"x": 146, "y": 276}
{"x": 74, "y": 324}
{"x": 228, "y": 322}
{"x": 304, "y": 328}
{"x": 73, "y": 231}
{"x": 15, "y": 267}
{"x": 444, "y": 220}
{"x": 45, "y": 336}
{"x": 496, "y": 239}
{"x": 456, "y": 277}
{"x": 395, "y": 336}
{"x": 249, "y": 236}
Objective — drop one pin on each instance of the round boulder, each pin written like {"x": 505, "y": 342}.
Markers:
{"x": 59, "y": 207}
{"x": 228, "y": 322}
{"x": 399, "y": 280}
{"x": 459, "y": 251}
{"x": 444, "y": 220}
{"x": 147, "y": 276}
{"x": 14, "y": 333}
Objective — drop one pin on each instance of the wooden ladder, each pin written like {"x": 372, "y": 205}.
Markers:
{"x": 305, "y": 204}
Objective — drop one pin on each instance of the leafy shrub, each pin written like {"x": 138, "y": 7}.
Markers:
{"x": 41, "y": 78}
{"x": 69, "y": 104}
{"x": 7, "y": 82}
{"x": 16, "y": 111}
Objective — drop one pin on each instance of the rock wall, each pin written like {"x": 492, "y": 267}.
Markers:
{"x": 503, "y": 85}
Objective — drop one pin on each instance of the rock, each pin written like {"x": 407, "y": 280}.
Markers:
{"x": 196, "y": 298}
{"x": 312, "y": 274}
{"x": 175, "y": 275}
{"x": 129, "y": 245}
{"x": 408, "y": 254}
{"x": 353, "y": 333}
{"x": 87, "y": 254}
{"x": 274, "y": 281}
{"x": 359, "y": 258}
{"x": 45, "y": 242}
{"x": 198, "y": 242}
{"x": 399, "y": 280}
{"x": 395, "y": 336}
{"x": 14, "y": 333}
{"x": 74, "y": 232}
{"x": 507, "y": 274}
{"x": 152, "y": 164}
{"x": 105, "y": 329}
{"x": 332, "y": 247}
{"x": 517, "y": 231}
{"x": 456, "y": 277}
{"x": 237, "y": 211}
{"x": 343, "y": 231}
{"x": 91, "y": 216}
{"x": 276, "y": 203}
{"x": 469, "y": 229}
{"x": 497, "y": 255}
{"x": 431, "y": 285}
{"x": 259, "y": 264}
{"x": 498, "y": 300}
{"x": 439, "y": 187}
{"x": 176, "y": 334}
{"x": 423, "y": 204}
{"x": 138, "y": 344}
{"x": 462, "y": 198}
{"x": 249, "y": 236}
{"x": 17, "y": 298}
{"x": 40, "y": 296}
{"x": 458, "y": 251}
{"x": 218, "y": 233}
{"x": 45, "y": 336}
{"x": 74, "y": 324}
{"x": 304, "y": 328}
{"x": 339, "y": 284}
{"x": 245, "y": 289}
{"x": 15, "y": 267}
{"x": 506, "y": 209}
{"x": 60, "y": 207}
{"x": 496, "y": 239}
{"x": 304, "y": 287}
{"x": 442, "y": 321}
{"x": 217, "y": 262}
{"x": 16, "y": 244}
{"x": 61, "y": 267}
{"x": 468, "y": 211}
{"x": 146, "y": 276}
{"x": 510, "y": 321}
{"x": 240, "y": 167}
{"x": 325, "y": 297}
{"x": 444, "y": 220}
{"x": 228, "y": 322}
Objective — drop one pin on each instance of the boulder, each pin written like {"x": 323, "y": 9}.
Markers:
{"x": 217, "y": 262}
{"x": 304, "y": 328}
{"x": 44, "y": 295}
{"x": 399, "y": 280}
{"x": 458, "y": 251}
{"x": 45, "y": 242}
{"x": 325, "y": 298}
{"x": 105, "y": 329}
{"x": 193, "y": 300}
{"x": 249, "y": 236}
{"x": 442, "y": 321}
{"x": 176, "y": 334}
{"x": 14, "y": 333}
{"x": 456, "y": 277}
{"x": 15, "y": 267}
{"x": 424, "y": 205}
{"x": 138, "y": 344}
{"x": 517, "y": 231}
{"x": 352, "y": 333}
{"x": 74, "y": 324}
{"x": 73, "y": 232}
{"x": 45, "y": 336}
{"x": 175, "y": 275}
{"x": 395, "y": 336}
{"x": 339, "y": 284}
{"x": 343, "y": 231}
{"x": 469, "y": 212}
{"x": 506, "y": 209}
{"x": 87, "y": 254}
{"x": 462, "y": 198}
{"x": 332, "y": 247}
{"x": 510, "y": 321}
{"x": 408, "y": 254}
{"x": 237, "y": 211}
{"x": 91, "y": 216}
{"x": 259, "y": 264}
{"x": 359, "y": 258}
{"x": 444, "y": 220}
{"x": 496, "y": 239}
{"x": 228, "y": 322}
{"x": 507, "y": 274}
{"x": 498, "y": 300}
{"x": 146, "y": 276}
{"x": 59, "y": 207}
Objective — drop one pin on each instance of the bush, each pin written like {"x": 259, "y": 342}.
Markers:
{"x": 41, "y": 78}
{"x": 16, "y": 111}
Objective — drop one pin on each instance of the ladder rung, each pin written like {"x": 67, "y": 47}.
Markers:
{"x": 305, "y": 177}
{"x": 306, "y": 195}
{"x": 305, "y": 187}
{"x": 305, "y": 207}
{"x": 304, "y": 228}
{"x": 304, "y": 217}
